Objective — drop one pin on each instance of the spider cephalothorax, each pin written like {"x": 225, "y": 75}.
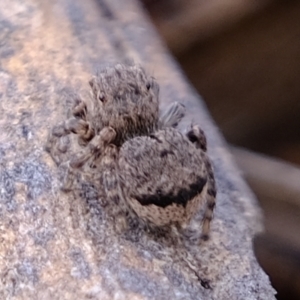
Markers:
{"x": 124, "y": 104}
{"x": 126, "y": 99}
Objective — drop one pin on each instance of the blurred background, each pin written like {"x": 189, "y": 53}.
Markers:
{"x": 243, "y": 57}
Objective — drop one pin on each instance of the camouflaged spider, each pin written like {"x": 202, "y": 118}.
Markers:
{"x": 162, "y": 175}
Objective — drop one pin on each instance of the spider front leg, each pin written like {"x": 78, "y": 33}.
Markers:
{"x": 197, "y": 136}
{"x": 80, "y": 112}
{"x": 79, "y": 109}
{"x": 95, "y": 149}
{"x": 172, "y": 115}
{"x": 57, "y": 142}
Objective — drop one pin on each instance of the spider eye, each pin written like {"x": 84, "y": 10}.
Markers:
{"x": 148, "y": 86}
{"x": 100, "y": 97}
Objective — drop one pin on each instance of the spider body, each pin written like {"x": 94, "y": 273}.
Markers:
{"x": 147, "y": 166}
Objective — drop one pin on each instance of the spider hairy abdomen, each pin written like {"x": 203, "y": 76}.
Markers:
{"x": 164, "y": 177}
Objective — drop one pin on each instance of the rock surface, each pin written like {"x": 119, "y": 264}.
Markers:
{"x": 56, "y": 246}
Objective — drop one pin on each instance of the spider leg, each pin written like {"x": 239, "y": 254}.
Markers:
{"x": 210, "y": 201}
{"x": 57, "y": 143}
{"x": 79, "y": 109}
{"x": 80, "y": 112}
{"x": 55, "y": 147}
{"x": 197, "y": 136}
{"x": 172, "y": 115}
{"x": 110, "y": 180}
{"x": 112, "y": 188}
{"x": 94, "y": 149}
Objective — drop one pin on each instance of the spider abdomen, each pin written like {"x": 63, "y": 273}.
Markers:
{"x": 176, "y": 184}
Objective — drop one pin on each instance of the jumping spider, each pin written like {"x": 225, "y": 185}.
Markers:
{"x": 160, "y": 174}
{"x": 164, "y": 177}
